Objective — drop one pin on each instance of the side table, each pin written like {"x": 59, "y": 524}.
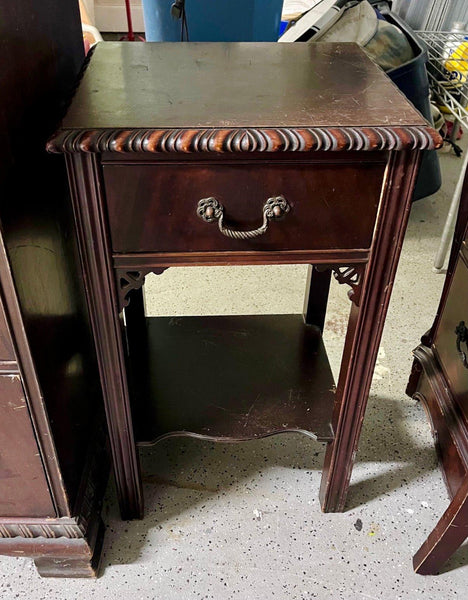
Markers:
{"x": 230, "y": 154}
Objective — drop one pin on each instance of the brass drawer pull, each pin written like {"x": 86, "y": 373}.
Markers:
{"x": 462, "y": 338}
{"x": 210, "y": 210}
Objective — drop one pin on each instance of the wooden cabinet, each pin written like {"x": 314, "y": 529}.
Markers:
{"x": 447, "y": 346}
{"x": 53, "y": 464}
{"x": 37, "y": 517}
{"x": 440, "y": 380}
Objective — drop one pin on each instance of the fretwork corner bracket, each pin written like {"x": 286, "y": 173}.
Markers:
{"x": 127, "y": 281}
{"x": 352, "y": 276}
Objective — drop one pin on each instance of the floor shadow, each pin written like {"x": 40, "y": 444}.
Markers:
{"x": 458, "y": 560}
{"x": 386, "y": 439}
{"x": 179, "y": 473}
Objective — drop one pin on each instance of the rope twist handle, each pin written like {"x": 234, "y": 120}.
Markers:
{"x": 210, "y": 210}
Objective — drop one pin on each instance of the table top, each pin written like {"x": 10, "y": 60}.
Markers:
{"x": 231, "y": 86}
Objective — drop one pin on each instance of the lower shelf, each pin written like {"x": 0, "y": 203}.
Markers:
{"x": 230, "y": 378}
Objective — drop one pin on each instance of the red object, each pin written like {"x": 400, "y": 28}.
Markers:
{"x": 449, "y": 125}
{"x": 130, "y": 37}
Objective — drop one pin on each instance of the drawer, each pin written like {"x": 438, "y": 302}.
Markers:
{"x": 153, "y": 207}
{"x": 445, "y": 341}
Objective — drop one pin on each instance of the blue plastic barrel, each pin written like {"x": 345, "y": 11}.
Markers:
{"x": 215, "y": 20}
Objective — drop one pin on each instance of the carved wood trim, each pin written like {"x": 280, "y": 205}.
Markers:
{"x": 45, "y": 528}
{"x": 351, "y": 275}
{"x": 127, "y": 281}
{"x": 103, "y": 298}
{"x": 245, "y": 140}
{"x": 365, "y": 329}
{"x": 153, "y": 260}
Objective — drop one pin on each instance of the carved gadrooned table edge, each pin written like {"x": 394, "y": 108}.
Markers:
{"x": 245, "y": 139}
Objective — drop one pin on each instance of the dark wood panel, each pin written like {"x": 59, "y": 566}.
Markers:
{"x": 231, "y": 378}
{"x": 49, "y": 496}
{"x": 349, "y": 156}
{"x": 451, "y": 441}
{"x": 42, "y": 54}
{"x": 147, "y": 261}
{"x": 453, "y": 467}
{"x": 23, "y": 486}
{"x": 153, "y": 208}
{"x": 455, "y": 311}
{"x": 7, "y": 351}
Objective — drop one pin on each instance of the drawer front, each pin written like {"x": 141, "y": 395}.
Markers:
{"x": 24, "y": 491}
{"x": 445, "y": 341}
{"x": 153, "y": 207}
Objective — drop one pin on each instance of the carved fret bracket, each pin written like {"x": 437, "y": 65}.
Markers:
{"x": 352, "y": 275}
{"x": 127, "y": 281}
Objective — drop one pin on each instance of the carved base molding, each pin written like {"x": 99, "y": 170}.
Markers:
{"x": 46, "y": 528}
{"x": 60, "y": 547}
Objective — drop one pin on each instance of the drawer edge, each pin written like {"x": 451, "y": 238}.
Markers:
{"x": 147, "y": 260}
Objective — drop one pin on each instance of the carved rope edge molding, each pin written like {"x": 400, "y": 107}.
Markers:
{"x": 245, "y": 140}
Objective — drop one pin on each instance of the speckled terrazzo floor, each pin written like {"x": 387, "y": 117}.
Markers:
{"x": 243, "y": 521}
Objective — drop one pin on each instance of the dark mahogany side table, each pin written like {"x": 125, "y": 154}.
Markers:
{"x": 234, "y": 154}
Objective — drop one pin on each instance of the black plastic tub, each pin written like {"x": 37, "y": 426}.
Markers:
{"x": 412, "y": 80}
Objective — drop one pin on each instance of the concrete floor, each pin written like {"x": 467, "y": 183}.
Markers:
{"x": 243, "y": 521}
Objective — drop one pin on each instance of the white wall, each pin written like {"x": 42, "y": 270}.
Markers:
{"x": 110, "y": 15}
